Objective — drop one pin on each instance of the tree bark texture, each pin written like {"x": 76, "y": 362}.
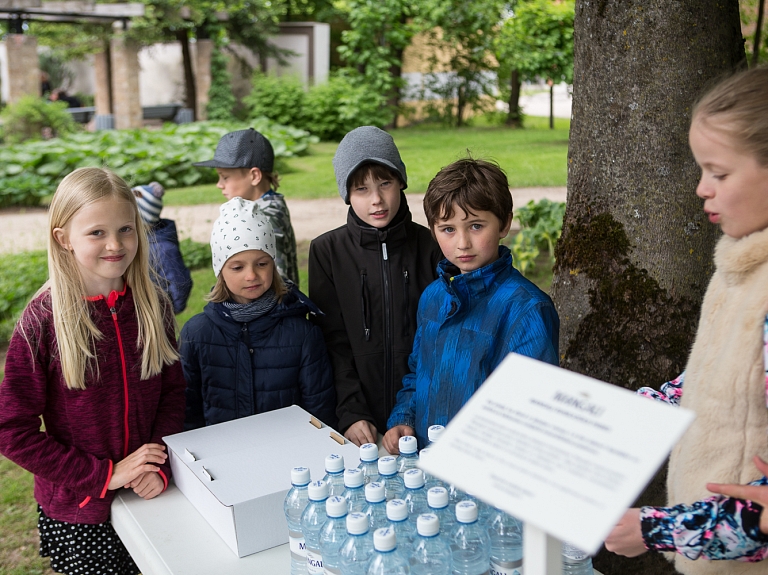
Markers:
{"x": 635, "y": 256}
{"x": 190, "y": 100}
{"x": 513, "y": 115}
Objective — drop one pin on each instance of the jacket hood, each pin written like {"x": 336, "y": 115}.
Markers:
{"x": 163, "y": 229}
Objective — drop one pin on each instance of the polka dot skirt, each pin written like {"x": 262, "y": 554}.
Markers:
{"x": 82, "y": 549}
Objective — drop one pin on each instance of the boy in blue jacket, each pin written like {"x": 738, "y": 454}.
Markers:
{"x": 478, "y": 310}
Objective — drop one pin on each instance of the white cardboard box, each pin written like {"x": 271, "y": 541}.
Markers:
{"x": 237, "y": 473}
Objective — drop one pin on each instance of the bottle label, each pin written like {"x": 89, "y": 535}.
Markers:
{"x": 297, "y": 546}
{"x": 331, "y": 571}
{"x": 507, "y": 567}
{"x": 314, "y": 563}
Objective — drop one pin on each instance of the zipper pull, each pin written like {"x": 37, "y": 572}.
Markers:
{"x": 384, "y": 251}
{"x": 405, "y": 276}
{"x": 113, "y": 311}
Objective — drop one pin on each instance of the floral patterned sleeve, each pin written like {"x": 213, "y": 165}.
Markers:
{"x": 670, "y": 392}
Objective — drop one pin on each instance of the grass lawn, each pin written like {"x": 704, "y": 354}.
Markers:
{"x": 532, "y": 157}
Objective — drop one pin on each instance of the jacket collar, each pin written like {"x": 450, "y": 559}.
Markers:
{"x": 737, "y": 258}
{"x": 112, "y": 298}
{"x": 478, "y": 282}
{"x": 371, "y": 238}
{"x": 294, "y": 303}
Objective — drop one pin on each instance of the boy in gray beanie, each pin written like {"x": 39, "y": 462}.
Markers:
{"x": 367, "y": 276}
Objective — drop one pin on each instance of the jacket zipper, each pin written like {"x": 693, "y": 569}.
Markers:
{"x": 125, "y": 378}
{"x": 406, "y": 316}
{"x": 364, "y": 303}
{"x": 387, "y": 329}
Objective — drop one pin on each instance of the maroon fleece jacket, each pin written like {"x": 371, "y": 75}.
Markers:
{"x": 87, "y": 431}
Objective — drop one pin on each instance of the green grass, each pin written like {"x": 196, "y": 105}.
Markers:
{"x": 531, "y": 157}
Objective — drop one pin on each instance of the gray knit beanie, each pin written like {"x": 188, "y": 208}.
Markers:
{"x": 363, "y": 145}
{"x": 241, "y": 226}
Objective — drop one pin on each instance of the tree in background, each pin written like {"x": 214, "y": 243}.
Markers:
{"x": 755, "y": 27}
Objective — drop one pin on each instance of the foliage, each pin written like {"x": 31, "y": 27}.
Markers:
{"x": 749, "y": 26}
{"x": 196, "y": 255}
{"x": 279, "y": 98}
{"x": 31, "y": 117}
{"x": 21, "y": 275}
{"x": 59, "y": 74}
{"x": 32, "y": 170}
{"x": 70, "y": 41}
{"x": 221, "y": 100}
{"x": 541, "y": 225}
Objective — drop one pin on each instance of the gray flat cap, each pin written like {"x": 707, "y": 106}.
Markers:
{"x": 363, "y": 145}
{"x": 242, "y": 149}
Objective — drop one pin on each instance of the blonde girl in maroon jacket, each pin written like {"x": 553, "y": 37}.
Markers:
{"x": 93, "y": 354}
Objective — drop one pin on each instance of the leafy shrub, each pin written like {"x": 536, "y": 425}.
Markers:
{"x": 21, "y": 275}
{"x": 221, "y": 100}
{"x": 196, "y": 255}
{"x": 32, "y": 170}
{"x": 31, "y": 117}
{"x": 279, "y": 98}
{"x": 541, "y": 225}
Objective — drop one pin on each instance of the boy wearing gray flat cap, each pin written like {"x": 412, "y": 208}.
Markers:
{"x": 367, "y": 277}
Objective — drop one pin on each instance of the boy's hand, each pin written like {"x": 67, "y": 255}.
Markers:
{"x": 136, "y": 464}
{"x": 627, "y": 537}
{"x": 391, "y": 440}
{"x": 148, "y": 485}
{"x": 362, "y": 432}
{"x": 755, "y": 493}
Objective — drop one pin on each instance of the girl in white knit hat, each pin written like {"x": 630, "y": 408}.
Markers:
{"x": 252, "y": 348}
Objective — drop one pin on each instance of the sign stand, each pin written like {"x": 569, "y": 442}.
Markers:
{"x": 541, "y": 552}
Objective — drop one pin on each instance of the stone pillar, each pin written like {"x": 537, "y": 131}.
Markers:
{"x": 102, "y": 97}
{"x": 23, "y": 66}
{"x": 126, "y": 105}
{"x": 203, "y": 76}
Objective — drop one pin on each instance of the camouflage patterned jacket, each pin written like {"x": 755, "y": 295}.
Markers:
{"x": 273, "y": 204}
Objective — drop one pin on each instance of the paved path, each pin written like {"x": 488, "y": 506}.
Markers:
{"x": 23, "y": 230}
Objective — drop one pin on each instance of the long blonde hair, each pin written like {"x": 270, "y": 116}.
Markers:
{"x": 76, "y": 332}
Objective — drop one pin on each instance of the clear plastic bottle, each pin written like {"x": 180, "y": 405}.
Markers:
{"x": 376, "y": 510}
{"x": 431, "y": 552}
{"x": 369, "y": 461}
{"x": 434, "y": 432}
{"x": 576, "y": 561}
{"x": 333, "y": 534}
{"x": 506, "y": 535}
{"x": 358, "y": 548}
{"x": 312, "y": 521}
{"x": 415, "y": 496}
{"x": 483, "y": 509}
{"x": 387, "y": 558}
{"x": 437, "y": 499}
{"x": 397, "y": 513}
{"x": 354, "y": 492}
{"x": 394, "y": 488}
{"x": 409, "y": 455}
{"x": 429, "y": 480}
{"x": 470, "y": 546}
{"x": 293, "y": 506}
{"x": 334, "y": 474}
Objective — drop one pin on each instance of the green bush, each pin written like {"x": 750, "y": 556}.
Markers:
{"x": 21, "y": 275}
{"x": 31, "y": 171}
{"x": 196, "y": 255}
{"x": 540, "y": 227}
{"x": 31, "y": 117}
{"x": 221, "y": 100}
{"x": 279, "y": 98}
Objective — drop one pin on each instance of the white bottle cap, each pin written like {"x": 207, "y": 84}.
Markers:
{"x": 414, "y": 478}
{"x": 407, "y": 444}
{"x": 424, "y": 452}
{"x": 437, "y": 497}
{"x": 428, "y": 524}
{"x": 387, "y": 465}
{"x": 369, "y": 452}
{"x": 374, "y": 492}
{"x": 397, "y": 510}
{"x": 434, "y": 432}
{"x": 466, "y": 511}
{"x": 384, "y": 539}
{"x": 318, "y": 490}
{"x": 336, "y": 506}
{"x": 353, "y": 478}
{"x": 300, "y": 476}
{"x": 357, "y": 523}
{"x": 334, "y": 463}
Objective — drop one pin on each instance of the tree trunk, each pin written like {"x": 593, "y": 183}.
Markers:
{"x": 758, "y": 30}
{"x": 394, "y": 99}
{"x": 635, "y": 256}
{"x": 513, "y": 116}
{"x": 551, "y": 105}
{"x": 190, "y": 101}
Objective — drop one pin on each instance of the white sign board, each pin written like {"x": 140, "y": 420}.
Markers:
{"x": 561, "y": 451}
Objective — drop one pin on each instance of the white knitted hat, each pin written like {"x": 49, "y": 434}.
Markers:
{"x": 241, "y": 226}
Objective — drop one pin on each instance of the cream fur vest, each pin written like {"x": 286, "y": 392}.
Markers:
{"x": 725, "y": 387}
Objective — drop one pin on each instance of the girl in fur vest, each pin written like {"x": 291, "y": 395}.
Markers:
{"x": 252, "y": 348}
{"x": 94, "y": 355}
{"x": 725, "y": 378}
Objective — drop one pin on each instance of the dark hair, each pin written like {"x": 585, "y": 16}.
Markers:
{"x": 479, "y": 185}
{"x": 373, "y": 169}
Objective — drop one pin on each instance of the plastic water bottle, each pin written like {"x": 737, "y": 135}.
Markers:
{"x": 415, "y": 495}
{"x": 437, "y": 499}
{"x": 333, "y": 534}
{"x": 397, "y": 513}
{"x": 293, "y": 506}
{"x": 376, "y": 510}
{"x": 434, "y": 432}
{"x": 312, "y": 521}
{"x": 506, "y": 535}
{"x": 369, "y": 458}
{"x": 334, "y": 474}
{"x": 470, "y": 546}
{"x": 576, "y": 561}
{"x": 484, "y": 510}
{"x": 408, "y": 455}
{"x": 354, "y": 492}
{"x": 394, "y": 488}
{"x": 429, "y": 480}
{"x": 358, "y": 548}
{"x": 431, "y": 552}
{"x": 387, "y": 558}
